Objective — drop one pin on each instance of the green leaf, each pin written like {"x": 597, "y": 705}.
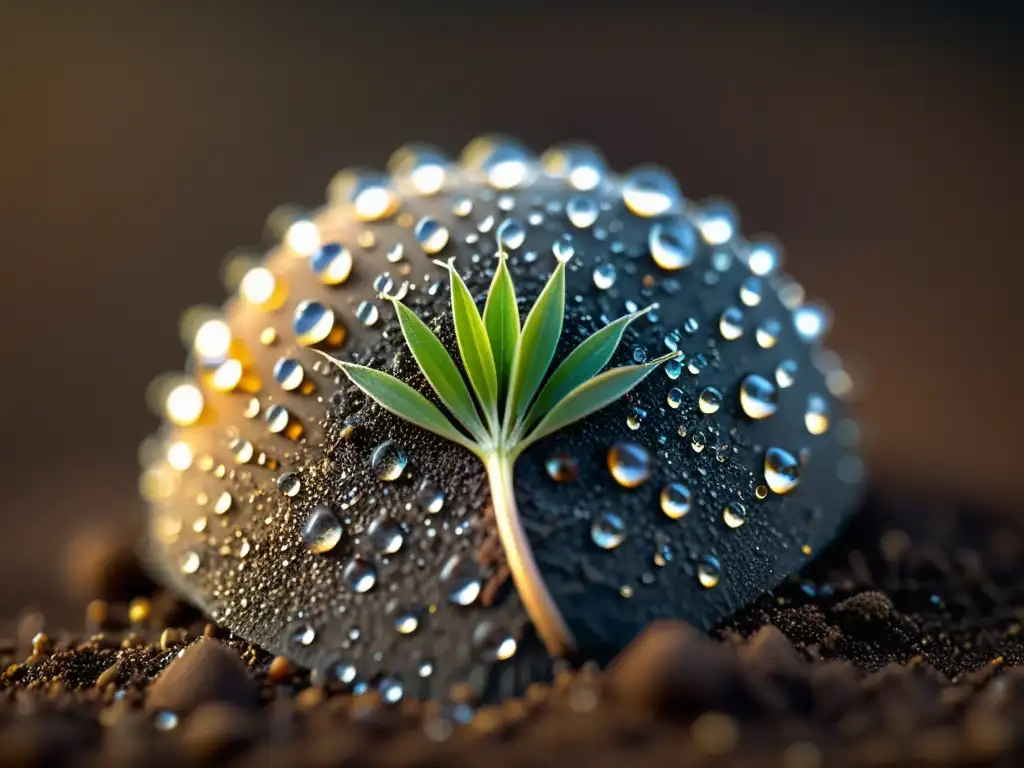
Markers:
{"x": 403, "y": 401}
{"x": 592, "y": 396}
{"x": 439, "y": 369}
{"x": 474, "y": 346}
{"x": 582, "y": 364}
{"x": 501, "y": 318}
{"x": 536, "y": 346}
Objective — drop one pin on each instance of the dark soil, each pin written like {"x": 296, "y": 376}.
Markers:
{"x": 896, "y": 647}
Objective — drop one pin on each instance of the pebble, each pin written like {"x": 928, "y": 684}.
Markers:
{"x": 206, "y": 671}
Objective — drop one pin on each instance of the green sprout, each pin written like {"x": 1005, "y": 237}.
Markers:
{"x": 506, "y": 364}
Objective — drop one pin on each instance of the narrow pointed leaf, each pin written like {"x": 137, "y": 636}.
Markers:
{"x": 592, "y": 396}
{"x": 501, "y": 318}
{"x": 439, "y": 369}
{"x": 537, "y": 344}
{"x": 403, "y": 401}
{"x": 474, "y": 346}
{"x": 582, "y": 364}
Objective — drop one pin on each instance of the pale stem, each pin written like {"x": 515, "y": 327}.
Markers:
{"x": 529, "y": 584}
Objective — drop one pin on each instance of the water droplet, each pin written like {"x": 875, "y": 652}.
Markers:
{"x": 696, "y": 364}
{"x": 698, "y": 441}
{"x": 504, "y": 161}
{"x": 674, "y": 397}
{"x": 332, "y": 263}
{"x": 302, "y": 237}
{"x": 580, "y": 165}
{"x": 460, "y": 577}
{"x": 184, "y": 404}
{"x": 717, "y": 222}
{"x": 675, "y": 500}
{"x": 781, "y": 470}
{"x": 511, "y": 235}
{"x": 391, "y": 691}
{"x": 367, "y": 313}
{"x": 425, "y": 669}
{"x": 709, "y": 572}
{"x": 730, "y": 325}
{"x": 629, "y": 464}
{"x": 431, "y": 235}
{"x": 563, "y": 247}
{"x": 750, "y": 291}
{"x": 288, "y": 373}
{"x": 649, "y": 192}
{"x": 462, "y": 207}
{"x": 759, "y": 398}
{"x": 360, "y": 574}
{"x": 494, "y": 642}
{"x": 608, "y": 530}
{"x": 388, "y": 461}
{"x": 763, "y": 258}
{"x": 673, "y": 368}
{"x": 734, "y": 514}
{"x": 313, "y": 322}
{"x": 633, "y": 422}
{"x": 582, "y": 211}
{"x": 430, "y": 497}
{"x": 223, "y": 503}
{"x": 165, "y": 720}
{"x": 816, "y": 418}
{"x": 710, "y": 400}
{"x": 561, "y": 468}
{"x": 289, "y": 484}
{"x": 302, "y": 634}
{"x": 673, "y": 245}
{"x": 190, "y": 562}
{"x": 767, "y": 333}
{"x": 322, "y": 530}
{"x": 340, "y": 672}
{"x": 407, "y": 622}
{"x": 811, "y": 322}
{"x": 277, "y": 418}
{"x": 785, "y": 373}
{"x": 386, "y": 535}
{"x": 604, "y": 276}
{"x": 639, "y": 355}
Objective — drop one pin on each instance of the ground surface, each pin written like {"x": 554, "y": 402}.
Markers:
{"x": 896, "y": 647}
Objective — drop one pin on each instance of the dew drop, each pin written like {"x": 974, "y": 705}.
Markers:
{"x": 673, "y": 368}
{"x": 313, "y": 322}
{"x": 811, "y": 322}
{"x": 341, "y": 672}
{"x": 759, "y": 398}
{"x": 717, "y": 222}
{"x": 561, "y": 468}
{"x": 391, "y": 690}
{"x": 767, "y": 333}
{"x": 359, "y": 575}
{"x": 322, "y": 530}
{"x": 289, "y": 484}
{"x": 785, "y": 373}
{"x": 649, "y": 192}
{"x": 388, "y": 461}
{"x": 673, "y": 245}
{"x": 367, "y": 313}
{"x": 698, "y": 441}
{"x": 165, "y": 720}
{"x": 460, "y": 577}
{"x": 494, "y": 642}
{"x": 384, "y": 283}
{"x": 431, "y": 235}
{"x": 816, "y": 418}
{"x": 425, "y": 669}
{"x": 190, "y": 562}
{"x": 781, "y": 470}
{"x": 277, "y": 418}
{"x": 511, "y": 235}
{"x": 302, "y": 634}
{"x": 709, "y": 572}
{"x": 710, "y": 400}
{"x": 332, "y": 264}
{"x": 462, "y": 207}
{"x": 750, "y": 291}
{"x": 407, "y": 622}
{"x": 223, "y": 503}
{"x": 675, "y": 500}
{"x": 734, "y": 514}
{"x": 430, "y": 497}
{"x": 563, "y": 247}
{"x": 288, "y": 373}
{"x": 385, "y": 535}
{"x": 582, "y": 211}
{"x": 608, "y": 530}
{"x": 674, "y": 397}
{"x": 763, "y": 258}
{"x": 629, "y": 464}
{"x": 604, "y": 276}
{"x": 730, "y": 324}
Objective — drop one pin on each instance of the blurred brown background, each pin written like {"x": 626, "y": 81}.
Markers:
{"x": 139, "y": 142}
